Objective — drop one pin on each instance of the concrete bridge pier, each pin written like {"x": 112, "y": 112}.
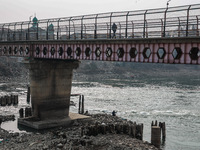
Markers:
{"x": 50, "y": 84}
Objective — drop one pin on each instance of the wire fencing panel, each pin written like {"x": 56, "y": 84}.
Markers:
{"x": 193, "y": 21}
{"x": 136, "y": 24}
{"x": 179, "y": 21}
{"x": 103, "y": 25}
{"x": 154, "y": 22}
{"x": 89, "y": 27}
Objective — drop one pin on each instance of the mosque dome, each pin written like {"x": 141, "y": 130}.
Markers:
{"x": 51, "y": 26}
{"x": 35, "y": 20}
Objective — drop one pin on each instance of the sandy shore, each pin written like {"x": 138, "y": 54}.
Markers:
{"x": 73, "y": 138}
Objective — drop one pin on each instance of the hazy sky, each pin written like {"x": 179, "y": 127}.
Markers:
{"x": 21, "y": 10}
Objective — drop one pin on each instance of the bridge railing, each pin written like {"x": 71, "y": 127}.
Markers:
{"x": 179, "y": 21}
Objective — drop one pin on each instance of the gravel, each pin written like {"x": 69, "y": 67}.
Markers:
{"x": 70, "y": 138}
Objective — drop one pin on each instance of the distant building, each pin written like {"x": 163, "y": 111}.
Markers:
{"x": 32, "y": 33}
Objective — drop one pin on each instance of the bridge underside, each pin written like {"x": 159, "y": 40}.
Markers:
{"x": 155, "y": 50}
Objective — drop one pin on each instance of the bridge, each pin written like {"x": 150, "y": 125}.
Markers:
{"x": 52, "y": 48}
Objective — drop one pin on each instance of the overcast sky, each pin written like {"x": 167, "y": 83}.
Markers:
{"x": 21, "y": 10}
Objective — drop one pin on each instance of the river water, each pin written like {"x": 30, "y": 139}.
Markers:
{"x": 173, "y": 104}
{"x": 178, "y": 105}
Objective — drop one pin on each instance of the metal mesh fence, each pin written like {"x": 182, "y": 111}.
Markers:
{"x": 179, "y": 21}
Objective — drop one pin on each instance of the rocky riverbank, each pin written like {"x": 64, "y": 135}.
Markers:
{"x": 71, "y": 138}
{"x": 7, "y": 118}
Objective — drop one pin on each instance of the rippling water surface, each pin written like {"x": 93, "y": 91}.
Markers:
{"x": 176, "y": 105}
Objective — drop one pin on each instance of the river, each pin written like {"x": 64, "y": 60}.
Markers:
{"x": 137, "y": 100}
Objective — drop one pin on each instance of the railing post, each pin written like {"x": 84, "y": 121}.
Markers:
{"x": 165, "y": 17}
{"x": 144, "y": 24}
{"x": 2, "y": 29}
{"x": 120, "y": 32}
{"x": 187, "y": 26}
{"x": 85, "y": 30}
{"x": 28, "y": 35}
{"x": 95, "y": 30}
{"x": 197, "y": 33}
{"x": 126, "y": 32}
{"x": 69, "y": 27}
{"x": 47, "y": 35}
{"x": 179, "y": 27}
{"x": 107, "y": 30}
{"x": 21, "y": 30}
{"x": 161, "y": 27}
{"x": 66, "y": 31}
{"x": 14, "y": 31}
{"x": 8, "y": 34}
{"x": 146, "y": 31}
{"x": 74, "y": 30}
{"x": 110, "y": 25}
{"x": 82, "y": 27}
{"x": 37, "y": 37}
{"x": 132, "y": 29}
{"x": 58, "y": 29}
{"x": 3, "y": 32}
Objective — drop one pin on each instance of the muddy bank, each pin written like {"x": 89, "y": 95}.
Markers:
{"x": 73, "y": 139}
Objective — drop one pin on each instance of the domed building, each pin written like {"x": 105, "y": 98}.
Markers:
{"x": 36, "y": 32}
{"x": 51, "y": 31}
{"x": 35, "y": 21}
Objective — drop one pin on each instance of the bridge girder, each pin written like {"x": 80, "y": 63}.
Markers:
{"x": 165, "y": 50}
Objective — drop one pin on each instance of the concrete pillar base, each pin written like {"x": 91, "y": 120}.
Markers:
{"x": 44, "y": 124}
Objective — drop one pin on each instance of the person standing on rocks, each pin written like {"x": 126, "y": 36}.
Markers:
{"x": 114, "y": 113}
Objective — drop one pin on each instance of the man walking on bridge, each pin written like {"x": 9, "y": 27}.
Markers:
{"x": 114, "y": 29}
